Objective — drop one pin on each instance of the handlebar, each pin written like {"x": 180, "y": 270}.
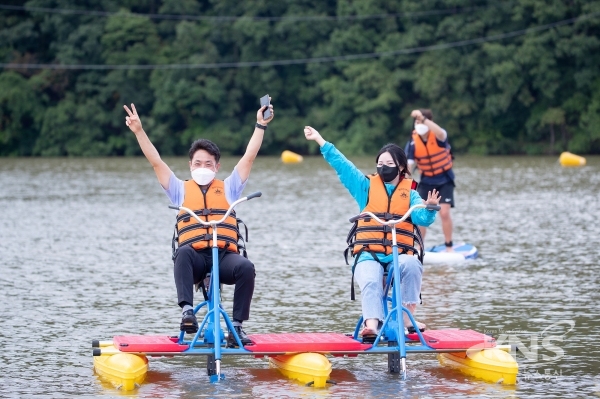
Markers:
{"x": 254, "y": 195}
{"x": 215, "y": 222}
{"x": 392, "y": 222}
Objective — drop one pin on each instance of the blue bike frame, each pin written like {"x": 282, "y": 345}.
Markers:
{"x": 393, "y": 325}
{"x": 213, "y": 333}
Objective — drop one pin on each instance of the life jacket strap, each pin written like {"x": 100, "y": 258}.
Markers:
{"x": 203, "y": 212}
{"x": 199, "y": 226}
{"x": 384, "y": 242}
{"x": 356, "y": 257}
{"x": 174, "y": 243}
{"x": 207, "y": 237}
{"x": 376, "y": 229}
{"x": 241, "y": 222}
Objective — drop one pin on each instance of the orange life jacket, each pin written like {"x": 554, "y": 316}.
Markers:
{"x": 368, "y": 235}
{"x": 211, "y": 205}
{"x": 431, "y": 159}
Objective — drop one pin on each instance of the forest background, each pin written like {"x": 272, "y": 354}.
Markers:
{"x": 502, "y": 77}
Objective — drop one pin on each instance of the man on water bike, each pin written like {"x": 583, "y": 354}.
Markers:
{"x": 430, "y": 150}
{"x": 209, "y": 198}
{"x": 388, "y": 194}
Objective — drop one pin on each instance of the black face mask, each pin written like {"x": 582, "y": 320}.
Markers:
{"x": 387, "y": 173}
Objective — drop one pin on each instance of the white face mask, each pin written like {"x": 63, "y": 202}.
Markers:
{"x": 203, "y": 176}
{"x": 421, "y": 129}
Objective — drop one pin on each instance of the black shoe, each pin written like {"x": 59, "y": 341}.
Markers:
{"x": 189, "y": 324}
{"x": 232, "y": 343}
{"x": 411, "y": 330}
{"x": 369, "y": 335}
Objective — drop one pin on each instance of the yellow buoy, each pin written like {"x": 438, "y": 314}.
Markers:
{"x": 124, "y": 370}
{"x": 568, "y": 159}
{"x": 307, "y": 368}
{"x": 290, "y": 157}
{"x": 492, "y": 365}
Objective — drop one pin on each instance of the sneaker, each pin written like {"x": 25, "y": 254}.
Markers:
{"x": 189, "y": 324}
{"x": 232, "y": 343}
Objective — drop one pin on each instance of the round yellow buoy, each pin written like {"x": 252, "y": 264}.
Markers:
{"x": 290, "y": 157}
{"x": 125, "y": 371}
{"x": 308, "y": 368}
{"x": 568, "y": 159}
{"x": 492, "y": 365}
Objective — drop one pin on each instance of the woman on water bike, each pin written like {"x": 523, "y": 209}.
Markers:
{"x": 388, "y": 194}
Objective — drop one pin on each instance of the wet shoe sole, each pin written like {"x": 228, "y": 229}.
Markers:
{"x": 235, "y": 345}
{"x": 188, "y": 328}
{"x": 369, "y": 339}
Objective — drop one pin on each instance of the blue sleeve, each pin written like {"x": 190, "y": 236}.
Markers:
{"x": 234, "y": 186}
{"x": 175, "y": 192}
{"x": 350, "y": 176}
{"x": 421, "y": 216}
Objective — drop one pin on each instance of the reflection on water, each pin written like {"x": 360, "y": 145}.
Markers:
{"x": 85, "y": 254}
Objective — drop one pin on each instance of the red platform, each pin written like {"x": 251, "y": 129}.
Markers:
{"x": 457, "y": 339}
{"x": 412, "y": 337}
{"x": 304, "y": 342}
{"x": 147, "y": 343}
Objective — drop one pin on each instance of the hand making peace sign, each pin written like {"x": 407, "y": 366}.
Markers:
{"x": 133, "y": 120}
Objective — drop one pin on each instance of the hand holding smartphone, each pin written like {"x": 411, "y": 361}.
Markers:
{"x": 266, "y": 101}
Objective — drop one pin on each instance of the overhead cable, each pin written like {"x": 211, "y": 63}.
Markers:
{"x": 211, "y": 18}
{"x": 351, "y": 57}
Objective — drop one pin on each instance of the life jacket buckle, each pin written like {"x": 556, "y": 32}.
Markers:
{"x": 185, "y": 219}
{"x": 206, "y": 212}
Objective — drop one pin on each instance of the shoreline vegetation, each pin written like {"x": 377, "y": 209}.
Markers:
{"x": 503, "y": 78}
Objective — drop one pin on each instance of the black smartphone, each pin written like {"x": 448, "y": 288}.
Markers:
{"x": 266, "y": 101}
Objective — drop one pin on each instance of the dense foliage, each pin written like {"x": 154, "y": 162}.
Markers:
{"x": 532, "y": 93}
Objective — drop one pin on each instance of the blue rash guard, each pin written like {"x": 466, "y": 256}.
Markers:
{"x": 358, "y": 185}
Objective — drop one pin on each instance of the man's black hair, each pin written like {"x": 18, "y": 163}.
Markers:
{"x": 206, "y": 145}
{"x": 427, "y": 113}
{"x": 397, "y": 154}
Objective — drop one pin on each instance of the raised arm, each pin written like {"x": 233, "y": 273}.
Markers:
{"x": 245, "y": 164}
{"x": 350, "y": 176}
{"x": 440, "y": 133}
{"x": 163, "y": 172}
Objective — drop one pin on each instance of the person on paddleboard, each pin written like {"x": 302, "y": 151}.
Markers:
{"x": 429, "y": 151}
{"x": 209, "y": 198}
{"x": 389, "y": 191}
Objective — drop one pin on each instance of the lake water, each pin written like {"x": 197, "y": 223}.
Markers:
{"x": 85, "y": 254}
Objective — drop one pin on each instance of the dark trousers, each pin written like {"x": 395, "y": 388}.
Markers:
{"x": 191, "y": 267}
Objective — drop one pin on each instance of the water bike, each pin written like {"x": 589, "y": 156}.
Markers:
{"x": 301, "y": 356}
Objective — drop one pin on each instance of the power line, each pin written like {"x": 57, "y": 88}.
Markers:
{"x": 210, "y": 18}
{"x": 246, "y": 64}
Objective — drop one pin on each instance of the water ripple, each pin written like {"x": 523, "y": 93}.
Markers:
{"x": 85, "y": 254}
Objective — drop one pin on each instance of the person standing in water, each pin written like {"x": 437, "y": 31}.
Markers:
{"x": 429, "y": 151}
{"x": 209, "y": 198}
{"x": 389, "y": 193}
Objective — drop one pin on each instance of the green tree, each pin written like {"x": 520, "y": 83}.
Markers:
{"x": 529, "y": 93}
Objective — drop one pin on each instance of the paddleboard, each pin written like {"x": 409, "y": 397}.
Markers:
{"x": 438, "y": 255}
